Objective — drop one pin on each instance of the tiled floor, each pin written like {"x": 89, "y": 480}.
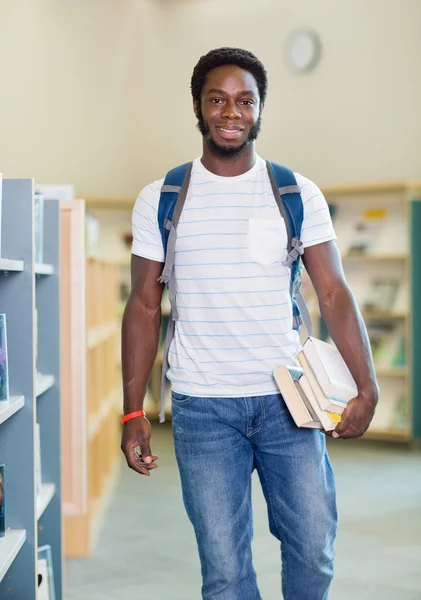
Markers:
{"x": 146, "y": 549}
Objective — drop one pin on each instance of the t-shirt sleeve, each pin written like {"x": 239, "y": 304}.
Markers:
{"x": 317, "y": 224}
{"x": 147, "y": 241}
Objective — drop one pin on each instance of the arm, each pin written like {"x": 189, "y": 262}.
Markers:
{"x": 140, "y": 339}
{"x": 347, "y": 329}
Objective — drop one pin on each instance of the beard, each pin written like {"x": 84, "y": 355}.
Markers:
{"x": 227, "y": 151}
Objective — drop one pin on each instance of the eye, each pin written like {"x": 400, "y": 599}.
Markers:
{"x": 247, "y": 102}
{"x": 216, "y": 100}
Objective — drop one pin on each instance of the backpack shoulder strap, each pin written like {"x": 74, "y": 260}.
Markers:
{"x": 170, "y": 194}
{"x": 171, "y": 202}
{"x": 288, "y": 197}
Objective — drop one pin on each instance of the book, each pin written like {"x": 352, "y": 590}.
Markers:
{"x": 328, "y": 375}
{"x": 2, "y": 503}
{"x": 4, "y": 367}
{"x": 46, "y": 589}
{"x": 301, "y": 401}
{"x": 367, "y": 230}
{"x": 328, "y": 419}
{"x": 388, "y": 345}
{"x": 382, "y": 294}
{"x": 288, "y": 382}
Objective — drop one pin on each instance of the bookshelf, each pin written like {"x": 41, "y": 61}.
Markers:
{"x": 32, "y": 519}
{"x": 378, "y": 237}
{"x": 103, "y": 403}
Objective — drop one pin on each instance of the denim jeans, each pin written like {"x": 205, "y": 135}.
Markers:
{"x": 218, "y": 444}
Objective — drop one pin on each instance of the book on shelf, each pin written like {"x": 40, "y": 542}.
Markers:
{"x": 4, "y": 366}
{"x": 46, "y": 589}
{"x": 366, "y": 230}
{"x": 2, "y": 503}
{"x": 382, "y": 294}
{"x": 387, "y": 340}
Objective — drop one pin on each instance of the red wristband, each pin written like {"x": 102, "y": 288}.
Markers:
{"x": 133, "y": 415}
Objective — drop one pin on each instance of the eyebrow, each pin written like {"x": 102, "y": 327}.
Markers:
{"x": 223, "y": 93}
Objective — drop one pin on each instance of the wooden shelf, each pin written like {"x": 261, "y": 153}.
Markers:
{"x": 101, "y": 432}
{"x": 43, "y": 269}
{"x": 11, "y": 265}
{"x": 383, "y": 315}
{"x": 123, "y": 202}
{"x": 9, "y": 548}
{"x": 107, "y": 406}
{"x": 388, "y": 434}
{"x": 394, "y": 372}
{"x": 98, "y": 335}
{"x": 44, "y": 383}
{"x": 10, "y": 407}
{"x": 370, "y": 188}
{"x": 47, "y": 494}
{"x": 374, "y": 257}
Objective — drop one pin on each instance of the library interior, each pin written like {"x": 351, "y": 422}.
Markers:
{"x": 95, "y": 106}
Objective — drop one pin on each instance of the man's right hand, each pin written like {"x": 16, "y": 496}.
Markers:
{"x": 135, "y": 444}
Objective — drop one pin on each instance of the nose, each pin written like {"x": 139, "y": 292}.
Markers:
{"x": 231, "y": 111}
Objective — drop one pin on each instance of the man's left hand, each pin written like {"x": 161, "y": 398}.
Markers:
{"x": 357, "y": 417}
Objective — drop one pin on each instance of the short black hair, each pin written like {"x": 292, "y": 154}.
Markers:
{"x": 229, "y": 56}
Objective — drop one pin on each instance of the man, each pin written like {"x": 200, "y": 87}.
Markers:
{"x": 234, "y": 327}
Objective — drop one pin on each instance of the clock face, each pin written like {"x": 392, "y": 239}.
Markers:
{"x": 303, "y": 50}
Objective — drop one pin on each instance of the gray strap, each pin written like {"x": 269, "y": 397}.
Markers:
{"x": 279, "y": 202}
{"x": 168, "y": 339}
{"x": 297, "y": 249}
{"x": 170, "y": 188}
{"x": 168, "y": 276}
{"x": 290, "y": 189}
{"x": 172, "y": 238}
{"x": 305, "y": 313}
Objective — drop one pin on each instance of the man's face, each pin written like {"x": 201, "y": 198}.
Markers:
{"x": 229, "y": 112}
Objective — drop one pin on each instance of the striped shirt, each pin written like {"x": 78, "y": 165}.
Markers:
{"x": 235, "y": 313}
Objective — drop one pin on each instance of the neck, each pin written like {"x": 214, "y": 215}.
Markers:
{"x": 228, "y": 167}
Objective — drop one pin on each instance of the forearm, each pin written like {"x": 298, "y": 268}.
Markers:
{"x": 140, "y": 339}
{"x": 348, "y": 331}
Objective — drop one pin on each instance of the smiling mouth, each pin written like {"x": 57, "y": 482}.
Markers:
{"x": 230, "y": 129}
{"x": 228, "y": 133}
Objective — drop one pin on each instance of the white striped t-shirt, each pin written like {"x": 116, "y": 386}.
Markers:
{"x": 235, "y": 313}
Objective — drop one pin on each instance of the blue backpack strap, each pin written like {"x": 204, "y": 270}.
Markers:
{"x": 168, "y": 199}
{"x": 171, "y": 202}
{"x": 288, "y": 197}
{"x": 290, "y": 194}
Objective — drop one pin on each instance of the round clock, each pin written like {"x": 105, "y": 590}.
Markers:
{"x": 303, "y": 50}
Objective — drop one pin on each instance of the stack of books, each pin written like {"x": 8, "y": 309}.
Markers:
{"x": 317, "y": 392}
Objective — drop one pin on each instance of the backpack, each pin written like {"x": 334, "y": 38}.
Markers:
{"x": 288, "y": 197}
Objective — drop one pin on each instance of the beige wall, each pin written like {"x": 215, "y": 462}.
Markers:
{"x": 96, "y": 92}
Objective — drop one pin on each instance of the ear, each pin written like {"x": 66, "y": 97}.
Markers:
{"x": 262, "y": 106}
{"x": 196, "y": 108}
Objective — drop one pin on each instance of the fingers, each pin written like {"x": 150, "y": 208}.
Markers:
{"x": 138, "y": 462}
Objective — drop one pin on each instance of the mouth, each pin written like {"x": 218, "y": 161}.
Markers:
{"x": 229, "y": 133}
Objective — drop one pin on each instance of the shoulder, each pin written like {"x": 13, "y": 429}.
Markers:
{"x": 149, "y": 195}
{"x": 307, "y": 186}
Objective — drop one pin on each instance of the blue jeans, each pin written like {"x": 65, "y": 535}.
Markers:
{"x": 218, "y": 443}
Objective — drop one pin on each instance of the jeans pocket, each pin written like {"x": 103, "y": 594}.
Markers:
{"x": 180, "y": 398}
